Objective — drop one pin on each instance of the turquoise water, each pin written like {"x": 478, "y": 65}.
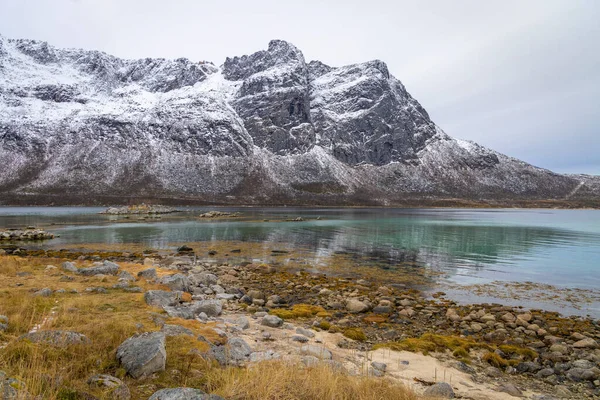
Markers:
{"x": 558, "y": 247}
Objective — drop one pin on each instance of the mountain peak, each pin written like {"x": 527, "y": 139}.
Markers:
{"x": 265, "y": 128}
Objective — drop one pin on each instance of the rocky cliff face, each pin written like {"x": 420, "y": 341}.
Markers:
{"x": 263, "y": 128}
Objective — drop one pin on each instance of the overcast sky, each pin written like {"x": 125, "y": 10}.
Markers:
{"x": 521, "y": 77}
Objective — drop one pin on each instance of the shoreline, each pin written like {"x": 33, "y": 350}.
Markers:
{"x": 61, "y": 200}
{"x": 487, "y": 345}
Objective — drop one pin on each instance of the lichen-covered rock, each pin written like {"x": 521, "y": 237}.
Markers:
{"x": 107, "y": 268}
{"x": 162, "y": 298}
{"x": 149, "y": 273}
{"x": 235, "y": 352}
{"x": 176, "y": 282}
{"x": 183, "y": 394}
{"x": 113, "y": 387}
{"x": 69, "y": 267}
{"x": 11, "y": 388}
{"x": 142, "y": 355}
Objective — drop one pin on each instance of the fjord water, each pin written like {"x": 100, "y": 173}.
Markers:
{"x": 468, "y": 246}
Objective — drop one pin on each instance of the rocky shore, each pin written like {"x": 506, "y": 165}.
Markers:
{"x": 219, "y": 214}
{"x": 139, "y": 210}
{"x": 25, "y": 234}
{"x": 260, "y": 312}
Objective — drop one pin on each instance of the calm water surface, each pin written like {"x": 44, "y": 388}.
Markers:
{"x": 558, "y": 247}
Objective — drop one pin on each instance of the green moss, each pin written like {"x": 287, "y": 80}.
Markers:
{"x": 325, "y": 325}
{"x": 525, "y": 352}
{"x": 461, "y": 353}
{"x": 355, "y": 334}
{"x": 430, "y": 343}
{"x": 495, "y": 360}
{"x": 299, "y": 311}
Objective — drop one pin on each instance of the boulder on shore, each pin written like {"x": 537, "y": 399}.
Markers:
{"x": 142, "y": 355}
{"x": 183, "y": 394}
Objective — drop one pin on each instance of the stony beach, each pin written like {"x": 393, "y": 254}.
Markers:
{"x": 245, "y": 314}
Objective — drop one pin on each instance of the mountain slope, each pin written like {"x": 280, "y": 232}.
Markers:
{"x": 263, "y": 128}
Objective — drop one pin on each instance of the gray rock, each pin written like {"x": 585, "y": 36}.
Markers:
{"x": 461, "y": 366}
{"x": 493, "y": 372}
{"x": 211, "y": 308}
{"x": 45, "y": 292}
{"x": 202, "y": 279}
{"x": 382, "y": 309}
{"x": 528, "y": 366}
{"x": 162, "y": 298}
{"x": 581, "y": 374}
{"x": 56, "y": 337}
{"x": 176, "y": 330}
{"x": 310, "y": 361}
{"x": 183, "y": 394}
{"x": 178, "y": 282}
{"x": 316, "y": 351}
{"x": 586, "y": 343}
{"x": 97, "y": 289}
{"x": 379, "y": 366}
{"x": 126, "y": 276}
{"x": 225, "y": 296}
{"x": 356, "y": 306}
{"x": 3, "y": 319}
{"x": 149, "y": 273}
{"x": 545, "y": 372}
{"x": 142, "y": 355}
{"x": 584, "y": 364}
{"x": 300, "y": 338}
{"x": 509, "y": 388}
{"x": 114, "y": 386}
{"x": 258, "y": 356}
{"x": 440, "y": 389}
{"x": 243, "y": 322}
{"x": 107, "y": 268}
{"x": 11, "y": 388}
{"x": 306, "y": 332}
{"x": 272, "y": 321}
{"x": 235, "y": 352}
{"x": 69, "y": 267}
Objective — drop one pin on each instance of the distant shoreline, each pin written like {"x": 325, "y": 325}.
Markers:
{"x": 51, "y": 200}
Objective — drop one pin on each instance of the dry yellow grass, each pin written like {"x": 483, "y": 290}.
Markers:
{"x": 283, "y": 381}
{"x": 108, "y": 319}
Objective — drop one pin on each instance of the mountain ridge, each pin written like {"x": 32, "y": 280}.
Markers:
{"x": 264, "y": 128}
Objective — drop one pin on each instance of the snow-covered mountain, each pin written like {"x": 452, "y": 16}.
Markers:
{"x": 263, "y": 128}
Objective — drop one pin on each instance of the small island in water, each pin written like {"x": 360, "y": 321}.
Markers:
{"x": 141, "y": 209}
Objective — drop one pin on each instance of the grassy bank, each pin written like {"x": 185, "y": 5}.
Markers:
{"x": 107, "y": 319}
